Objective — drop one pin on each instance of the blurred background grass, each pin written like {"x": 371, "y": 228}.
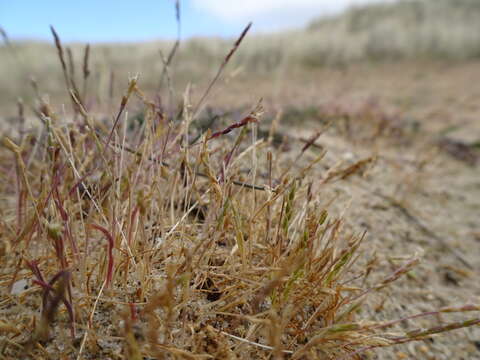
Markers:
{"x": 401, "y": 31}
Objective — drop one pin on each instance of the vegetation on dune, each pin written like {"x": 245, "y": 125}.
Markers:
{"x": 160, "y": 238}
{"x": 408, "y": 29}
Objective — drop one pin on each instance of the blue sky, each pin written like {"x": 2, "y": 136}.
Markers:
{"x": 142, "y": 20}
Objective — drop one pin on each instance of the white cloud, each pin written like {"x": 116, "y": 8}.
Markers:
{"x": 273, "y": 14}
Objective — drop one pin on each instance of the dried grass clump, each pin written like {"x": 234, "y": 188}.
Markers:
{"x": 156, "y": 243}
{"x": 366, "y": 122}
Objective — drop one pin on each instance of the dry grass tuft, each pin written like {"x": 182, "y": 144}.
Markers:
{"x": 160, "y": 247}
